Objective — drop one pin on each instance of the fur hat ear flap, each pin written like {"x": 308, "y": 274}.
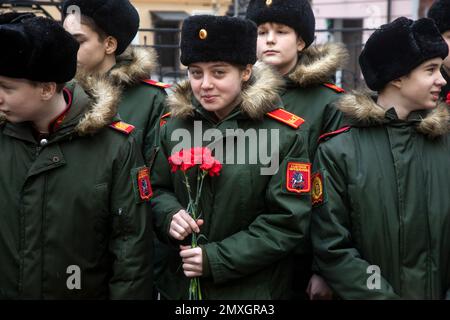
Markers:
{"x": 396, "y": 48}
{"x": 207, "y": 38}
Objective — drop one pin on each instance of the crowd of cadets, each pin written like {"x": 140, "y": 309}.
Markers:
{"x": 91, "y": 209}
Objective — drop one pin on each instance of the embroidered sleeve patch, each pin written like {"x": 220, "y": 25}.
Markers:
{"x": 317, "y": 189}
{"x": 298, "y": 177}
{"x": 141, "y": 183}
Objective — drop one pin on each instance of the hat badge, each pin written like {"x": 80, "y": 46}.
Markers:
{"x": 268, "y": 2}
{"x": 203, "y": 34}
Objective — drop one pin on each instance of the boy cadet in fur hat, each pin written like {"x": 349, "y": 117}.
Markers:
{"x": 440, "y": 13}
{"x": 251, "y": 222}
{"x": 72, "y": 226}
{"x": 380, "y": 189}
{"x": 285, "y": 36}
{"x": 106, "y": 30}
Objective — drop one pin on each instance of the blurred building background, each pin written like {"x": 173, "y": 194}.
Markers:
{"x": 347, "y": 21}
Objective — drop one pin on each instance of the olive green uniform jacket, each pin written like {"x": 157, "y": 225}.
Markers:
{"x": 381, "y": 221}
{"x": 72, "y": 224}
{"x": 252, "y": 221}
{"x": 309, "y": 93}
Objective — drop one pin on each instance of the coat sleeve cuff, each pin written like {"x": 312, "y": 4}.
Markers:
{"x": 206, "y": 266}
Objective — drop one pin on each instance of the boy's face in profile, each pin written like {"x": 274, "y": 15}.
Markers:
{"x": 421, "y": 87}
{"x": 20, "y": 100}
{"x": 92, "y": 52}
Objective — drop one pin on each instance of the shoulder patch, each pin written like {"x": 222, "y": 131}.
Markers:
{"x": 334, "y": 87}
{"x": 163, "y": 119}
{"x": 142, "y": 186}
{"x": 156, "y": 83}
{"x": 286, "y": 117}
{"x": 317, "y": 189}
{"x": 328, "y": 135}
{"x": 122, "y": 127}
{"x": 298, "y": 177}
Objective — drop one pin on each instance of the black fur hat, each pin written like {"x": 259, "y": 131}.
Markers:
{"x": 11, "y": 17}
{"x": 207, "y": 38}
{"x": 440, "y": 13}
{"x": 117, "y": 18}
{"x": 397, "y": 48}
{"x": 296, "y": 14}
{"x": 37, "y": 49}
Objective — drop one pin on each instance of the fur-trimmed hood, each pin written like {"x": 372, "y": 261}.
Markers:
{"x": 258, "y": 97}
{"x": 361, "y": 109}
{"x": 318, "y": 64}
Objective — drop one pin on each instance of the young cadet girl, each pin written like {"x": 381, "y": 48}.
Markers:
{"x": 251, "y": 220}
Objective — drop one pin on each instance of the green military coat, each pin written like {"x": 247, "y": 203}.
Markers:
{"x": 382, "y": 204}
{"x": 73, "y": 223}
{"x": 253, "y": 222}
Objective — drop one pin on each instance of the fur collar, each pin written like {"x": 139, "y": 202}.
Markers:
{"x": 134, "y": 65}
{"x": 318, "y": 64}
{"x": 360, "y": 108}
{"x": 100, "y": 105}
{"x": 103, "y": 104}
{"x": 258, "y": 97}
{"x": 106, "y": 90}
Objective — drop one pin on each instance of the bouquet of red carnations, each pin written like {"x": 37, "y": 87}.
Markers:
{"x": 184, "y": 160}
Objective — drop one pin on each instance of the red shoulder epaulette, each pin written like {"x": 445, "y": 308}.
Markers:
{"x": 163, "y": 120}
{"x": 286, "y": 117}
{"x": 334, "y": 87}
{"x": 122, "y": 127}
{"x": 156, "y": 83}
{"x": 328, "y": 135}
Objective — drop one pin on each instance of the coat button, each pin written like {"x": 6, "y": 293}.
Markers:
{"x": 43, "y": 142}
{"x": 55, "y": 159}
